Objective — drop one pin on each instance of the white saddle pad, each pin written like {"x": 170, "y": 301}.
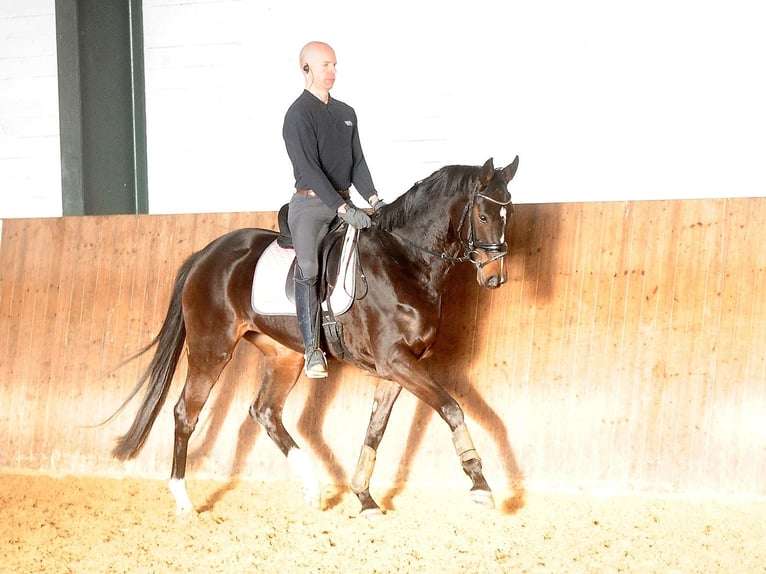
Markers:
{"x": 269, "y": 296}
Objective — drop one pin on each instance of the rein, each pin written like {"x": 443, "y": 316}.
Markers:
{"x": 470, "y": 246}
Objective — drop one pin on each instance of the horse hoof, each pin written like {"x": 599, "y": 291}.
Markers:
{"x": 483, "y": 498}
{"x": 184, "y": 504}
{"x": 371, "y": 513}
{"x": 313, "y": 499}
{"x": 182, "y": 511}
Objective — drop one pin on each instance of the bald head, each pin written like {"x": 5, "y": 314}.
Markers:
{"x": 317, "y": 60}
{"x": 316, "y": 50}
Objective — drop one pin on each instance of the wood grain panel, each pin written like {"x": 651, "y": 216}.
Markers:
{"x": 627, "y": 351}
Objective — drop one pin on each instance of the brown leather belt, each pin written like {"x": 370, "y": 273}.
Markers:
{"x": 310, "y": 193}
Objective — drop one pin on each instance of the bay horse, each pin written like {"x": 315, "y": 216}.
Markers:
{"x": 458, "y": 214}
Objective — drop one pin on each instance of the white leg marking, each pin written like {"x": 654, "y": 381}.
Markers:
{"x": 183, "y": 502}
{"x": 371, "y": 513}
{"x": 483, "y": 498}
{"x": 301, "y": 466}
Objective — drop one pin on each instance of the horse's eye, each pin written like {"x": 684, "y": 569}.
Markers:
{"x": 483, "y": 218}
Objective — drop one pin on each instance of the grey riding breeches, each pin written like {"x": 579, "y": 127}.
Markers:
{"x": 309, "y": 220}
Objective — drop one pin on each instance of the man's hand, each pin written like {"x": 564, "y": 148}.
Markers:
{"x": 354, "y": 217}
{"x": 376, "y": 203}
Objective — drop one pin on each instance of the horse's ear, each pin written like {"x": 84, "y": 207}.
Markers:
{"x": 510, "y": 170}
{"x": 487, "y": 171}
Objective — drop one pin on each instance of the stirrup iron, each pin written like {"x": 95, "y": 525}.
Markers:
{"x": 315, "y": 365}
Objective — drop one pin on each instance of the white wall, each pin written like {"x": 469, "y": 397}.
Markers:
{"x": 30, "y": 164}
{"x": 601, "y": 99}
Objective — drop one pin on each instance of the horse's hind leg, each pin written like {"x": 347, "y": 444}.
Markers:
{"x": 281, "y": 368}
{"x": 202, "y": 374}
{"x": 386, "y": 393}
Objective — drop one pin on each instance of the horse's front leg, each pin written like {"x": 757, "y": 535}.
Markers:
{"x": 469, "y": 458}
{"x": 404, "y": 367}
{"x": 386, "y": 394}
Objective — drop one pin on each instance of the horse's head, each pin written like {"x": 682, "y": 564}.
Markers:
{"x": 487, "y": 219}
{"x": 476, "y": 213}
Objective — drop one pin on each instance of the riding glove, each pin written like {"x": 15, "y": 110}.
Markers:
{"x": 375, "y": 202}
{"x": 355, "y": 217}
{"x": 377, "y": 205}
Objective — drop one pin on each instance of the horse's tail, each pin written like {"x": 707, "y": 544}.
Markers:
{"x": 169, "y": 342}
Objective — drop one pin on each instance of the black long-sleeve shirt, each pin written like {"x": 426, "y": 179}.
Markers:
{"x": 323, "y": 144}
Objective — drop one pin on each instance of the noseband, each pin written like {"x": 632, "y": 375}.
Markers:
{"x": 471, "y": 247}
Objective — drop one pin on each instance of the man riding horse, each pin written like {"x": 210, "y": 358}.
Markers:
{"x": 322, "y": 141}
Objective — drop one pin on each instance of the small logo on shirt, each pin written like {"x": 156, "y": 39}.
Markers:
{"x": 349, "y": 123}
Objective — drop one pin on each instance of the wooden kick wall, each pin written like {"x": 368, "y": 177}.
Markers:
{"x": 627, "y": 352}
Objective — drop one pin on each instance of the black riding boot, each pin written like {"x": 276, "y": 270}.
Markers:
{"x": 307, "y": 308}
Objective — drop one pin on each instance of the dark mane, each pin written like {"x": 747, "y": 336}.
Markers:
{"x": 435, "y": 190}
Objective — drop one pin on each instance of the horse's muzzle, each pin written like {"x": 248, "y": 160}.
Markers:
{"x": 490, "y": 266}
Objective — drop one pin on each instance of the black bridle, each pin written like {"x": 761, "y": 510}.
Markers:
{"x": 470, "y": 246}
